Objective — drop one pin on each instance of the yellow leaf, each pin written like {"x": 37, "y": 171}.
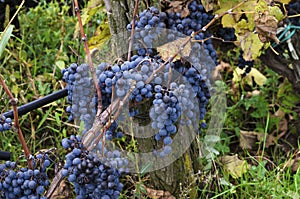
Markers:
{"x": 228, "y": 21}
{"x": 101, "y": 37}
{"x": 251, "y": 45}
{"x": 60, "y": 64}
{"x": 259, "y": 78}
{"x": 170, "y": 49}
{"x": 284, "y": 1}
{"x": 276, "y": 12}
{"x": 254, "y": 74}
{"x": 234, "y": 166}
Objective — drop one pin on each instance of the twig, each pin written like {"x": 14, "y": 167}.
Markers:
{"x": 90, "y": 138}
{"x": 13, "y": 17}
{"x": 87, "y": 51}
{"x": 14, "y": 102}
{"x": 292, "y": 16}
{"x": 108, "y": 6}
{"x": 218, "y": 16}
{"x": 132, "y": 29}
{"x": 168, "y": 61}
{"x": 190, "y": 38}
{"x": 211, "y": 37}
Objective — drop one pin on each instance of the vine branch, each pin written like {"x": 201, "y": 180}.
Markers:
{"x": 132, "y": 29}
{"x": 87, "y": 51}
{"x": 14, "y": 102}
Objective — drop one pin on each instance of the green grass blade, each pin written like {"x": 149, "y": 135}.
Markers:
{"x": 5, "y": 37}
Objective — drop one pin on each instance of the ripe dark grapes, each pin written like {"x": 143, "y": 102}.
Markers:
{"x": 243, "y": 64}
{"x": 5, "y": 123}
{"x": 90, "y": 176}
{"x": 21, "y": 182}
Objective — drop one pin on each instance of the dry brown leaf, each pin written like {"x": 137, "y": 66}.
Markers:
{"x": 253, "y": 93}
{"x": 222, "y": 67}
{"x": 279, "y": 113}
{"x": 170, "y": 49}
{"x": 208, "y": 5}
{"x": 63, "y": 191}
{"x": 293, "y": 163}
{"x": 266, "y": 27}
{"x": 234, "y": 166}
{"x": 248, "y": 139}
{"x": 179, "y": 7}
{"x": 159, "y": 194}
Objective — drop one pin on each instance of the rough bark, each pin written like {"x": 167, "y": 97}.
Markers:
{"x": 280, "y": 65}
{"x": 119, "y": 15}
{"x": 179, "y": 174}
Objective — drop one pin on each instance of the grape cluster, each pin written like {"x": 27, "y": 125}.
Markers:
{"x": 243, "y": 64}
{"x": 294, "y": 9}
{"x": 89, "y": 175}
{"x": 113, "y": 132}
{"x": 69, "y": 78}
{"x": 81, "y": 94}
{"x": 148, "y": 27}
{"x": 228, "y": 34}
{"x": 151, "y": 23}
{"x": 195, "y": 21}
{"x": 5, "y": 123}
{"x": 24, "y": 183}
{"x": 164, "y": 114}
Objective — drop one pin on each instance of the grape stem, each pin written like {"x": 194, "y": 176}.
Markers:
{"x": 211, "y": 37}
{"x": 218, "y": 16}
{"x": 87, "y": 51}
{"x": 92, "y": 137}
{"x": 14, "y": 102}
{"x": 132, "y": 29}
{"x": 190, "y": 39}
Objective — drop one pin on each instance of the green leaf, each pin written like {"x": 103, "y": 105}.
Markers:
{"x": 60, "y": 64}
{"x": 228, "y": 21}
{"x": 251, "y": 45}
{"x": 5, "y": 37}
{"x": 284, "y": 1}
{"x": 212, "y": 138}
{"x": 261, "y": 6}
{"x": 276, "y": 12}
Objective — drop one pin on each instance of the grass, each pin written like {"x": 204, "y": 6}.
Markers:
{"x": 31, "y": 67}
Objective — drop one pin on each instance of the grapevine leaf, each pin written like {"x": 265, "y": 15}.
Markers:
{"x": 284, "y": 1}
{"x": 248, "y": 139}
{"x": 242, "y": 27}
{"x": 234, "y": 166}
{"x": 266, "y": 27}
{"x": 253, "y": 75}
{"x": 261, "y": 6}
{"x": 276, "y": 12}
{"x": 60, "y": 64}
{"x": 250, "y": 44}
{"x": 225, "y": 6}
{"x": 170, "y": 49}
{"x": 179, "y": 7}
{"x": 208, "y": 5}
{"x": 101, "y": 36}
{"x": 88, "y": 13}
{"x": 5, "y": 37}
{"x": 228, "y": 21}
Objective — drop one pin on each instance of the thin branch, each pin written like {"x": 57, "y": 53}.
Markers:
{"x": 167, "y": 61}
{"x": 211, "y": 37}
{"x": 218, "y": 16}
{"x": 14, "y": 102}
{"x": 87, "y": 51}
{"x": 132, "y": 29}
{"x": 14, "y": 16}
